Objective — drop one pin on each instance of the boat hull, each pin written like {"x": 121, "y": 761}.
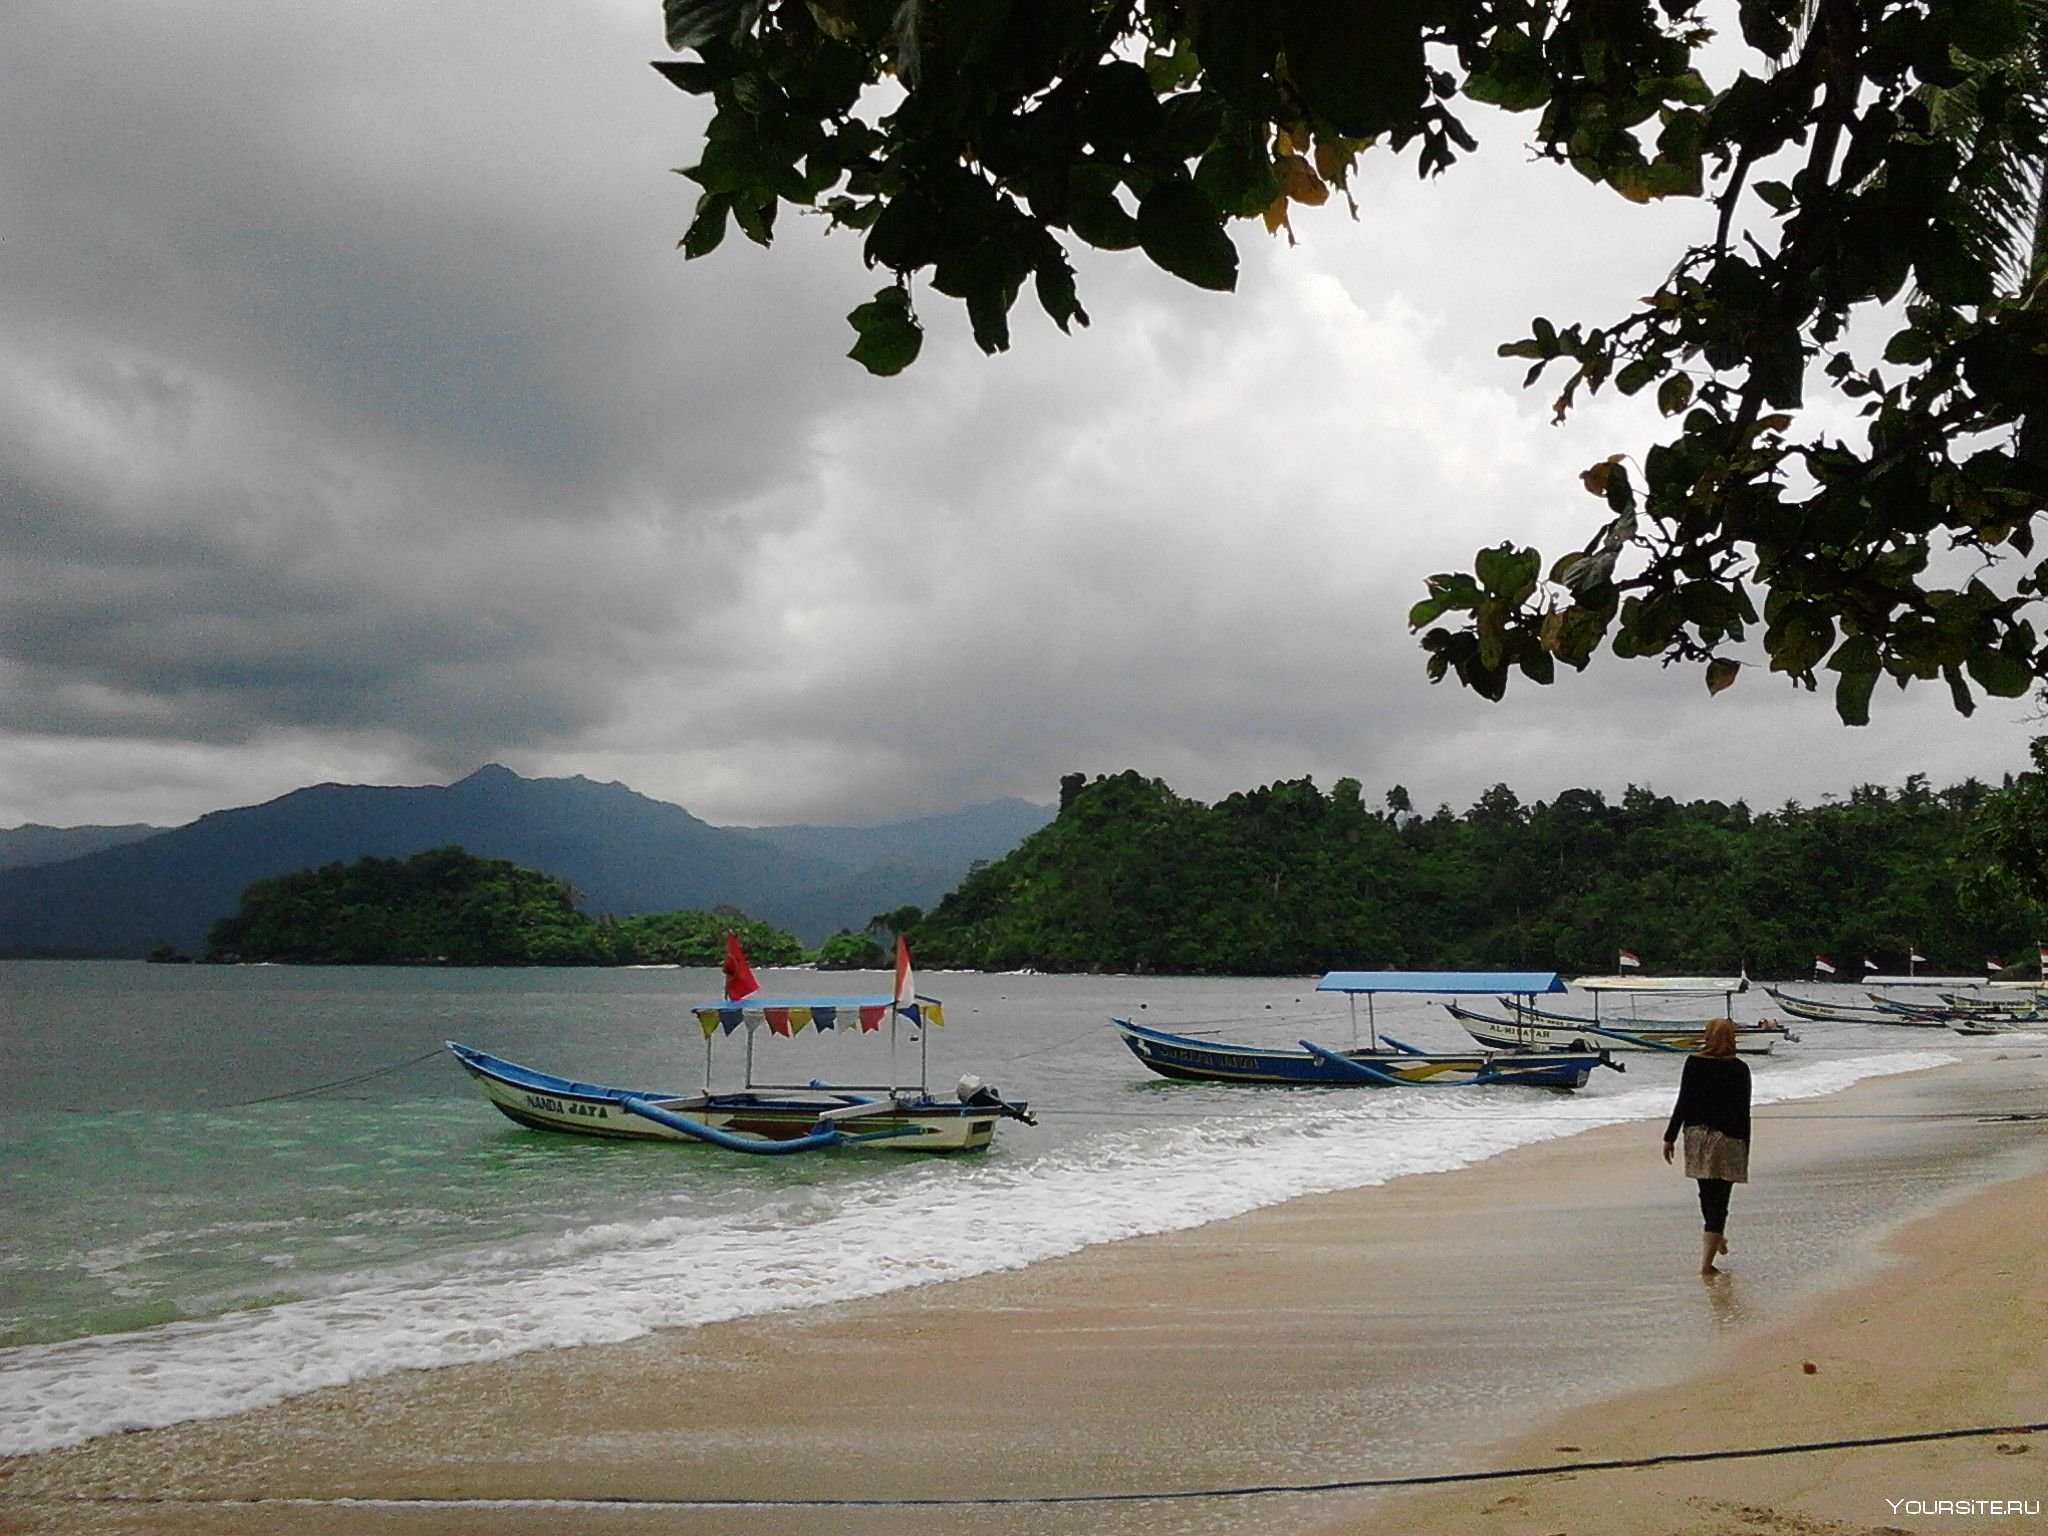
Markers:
{"x": 543, "y": 1102}
{"x": 1534, "y": 1030}
{"x": 1814, "y": 1011}
{"x": 1186, "y": 1059}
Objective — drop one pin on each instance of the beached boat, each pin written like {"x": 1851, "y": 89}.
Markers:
{"x": 1383, "y": 1061}
{"x": 1997, "y": 1024}
{"x": 2035, "y": 1007}
{"x": 766, "y": 1118}
{"x": 1529, "y": 1028}
{"x": 1187, "y": 1058}
{"x": 1816, "y": 1011}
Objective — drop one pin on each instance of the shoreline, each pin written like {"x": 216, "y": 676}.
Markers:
{"x": 1377, "y": 1332}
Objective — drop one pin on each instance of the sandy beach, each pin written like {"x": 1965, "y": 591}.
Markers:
{"x": 1538, "y": 1309}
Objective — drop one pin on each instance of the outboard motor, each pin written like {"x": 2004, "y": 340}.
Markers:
{"x": 976, "y": 1094}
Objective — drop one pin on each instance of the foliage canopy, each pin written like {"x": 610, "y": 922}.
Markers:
{"x": 1286, "y": 880}
{"x": 448, "y": 907}
{"x": 1875, "y": 158}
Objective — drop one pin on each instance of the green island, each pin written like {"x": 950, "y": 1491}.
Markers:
{"x": 448, "y": 907}
{"x": 1287, "y": 880}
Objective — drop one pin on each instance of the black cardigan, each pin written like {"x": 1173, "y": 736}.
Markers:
{"x": 1712, "y": 1091}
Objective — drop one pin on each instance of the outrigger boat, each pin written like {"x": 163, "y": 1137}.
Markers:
{"x": 766, "y": 1118}
{"x": 1817, "y": 1011}
{"x": 1530, "y": 1028}
{"x": 1383, "y": 1061}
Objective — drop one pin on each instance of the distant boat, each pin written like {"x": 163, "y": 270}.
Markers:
{"x": 1189, "y": 1059}
{"x": 1816, "y": 1011}
{"x": 1531, "y": 1028}
{"x": 1382, "y": 1063}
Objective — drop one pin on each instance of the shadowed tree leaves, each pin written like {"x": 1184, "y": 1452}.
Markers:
{"x": 1854, "y": 158}
{"x": 1283, "y": 880}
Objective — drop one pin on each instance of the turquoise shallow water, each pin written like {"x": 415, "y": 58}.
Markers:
{"x": 163, "y": 1158}
{"x": 228, "y": 1185}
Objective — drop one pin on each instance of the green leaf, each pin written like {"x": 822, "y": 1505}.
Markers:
{"x": 1674, "y": 394}
{"x": 1908, "y": 347}
{"x": 1775, "y": 194}
{"x": 1959, "y": 691}
{"x": 1236, "y": 172}
{"x": 1182, "y": 232}
{"x": 1101, "y": 220}
{"x": 1852, "y": 697}
{"x": 1508, "y": 573}
{"x": 2000, "y": 675}
{"x": 890, "y": 336}
{"x": 1721, "y": 674}
{"x": 1858, "y": 653}
{"x": 708, "y": 228}
{"x": 1638, "y": 373}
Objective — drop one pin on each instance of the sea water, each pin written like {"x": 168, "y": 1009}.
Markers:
{"x": 227, "y": 1186}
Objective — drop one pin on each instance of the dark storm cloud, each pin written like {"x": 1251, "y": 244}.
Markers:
{"x": 358, "y": 419}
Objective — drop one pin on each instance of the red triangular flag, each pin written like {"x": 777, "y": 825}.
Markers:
{"x": 739, "y": 976}
{"x": 906, "y": 985}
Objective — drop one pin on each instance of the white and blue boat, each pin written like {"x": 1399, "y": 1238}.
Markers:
{"x": 1383, "y": 1062}
{"x": 767, "y": 1118}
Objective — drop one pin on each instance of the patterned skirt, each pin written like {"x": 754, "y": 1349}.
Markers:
{"x": 1709, "y": 1154}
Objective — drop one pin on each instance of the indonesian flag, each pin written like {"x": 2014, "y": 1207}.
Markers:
{"x": 1824, "y": 965}
{"x": 1869, "y": 964}
{"x": 1993, "y": 964}
{"x": 1918, "y": 958}
{"x": 1629, "y": 960}
{"x": 2044, "y": 957}
{"x": 906, "y": 984}
{"x": 739, "y": 976}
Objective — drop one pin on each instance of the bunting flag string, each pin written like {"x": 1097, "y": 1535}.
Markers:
{"x": 791, "y": 1019}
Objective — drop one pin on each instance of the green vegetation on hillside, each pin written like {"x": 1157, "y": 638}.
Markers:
{"x": 1287, "y": 880}
{"x": 449, "y": 907}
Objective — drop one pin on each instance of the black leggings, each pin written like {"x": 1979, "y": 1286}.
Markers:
{"x": 1714, "y": 1203}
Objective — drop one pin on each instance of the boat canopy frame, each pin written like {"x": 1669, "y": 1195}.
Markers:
{"x": 1663, "y": 986}
{"x": 1371, "y": 984}
{"x": 729, "y": 1015}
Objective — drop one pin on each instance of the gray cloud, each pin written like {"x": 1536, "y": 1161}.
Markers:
{"x": 358, "y": 419}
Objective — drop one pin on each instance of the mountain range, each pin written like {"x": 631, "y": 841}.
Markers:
{"x": 621, "y": 851}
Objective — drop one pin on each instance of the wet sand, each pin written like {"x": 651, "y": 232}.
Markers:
{"x": 1418, "y": 1328}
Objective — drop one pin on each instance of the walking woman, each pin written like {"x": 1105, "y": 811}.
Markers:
{"x": 1713, "y": 1111}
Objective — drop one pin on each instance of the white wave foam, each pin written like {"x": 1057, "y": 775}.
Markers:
{"x": 618, "y": 1280}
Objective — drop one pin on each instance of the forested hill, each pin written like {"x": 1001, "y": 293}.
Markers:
{"x": 1288, "y": 880}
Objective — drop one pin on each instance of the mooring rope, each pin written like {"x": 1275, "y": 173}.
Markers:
{"x": 998, "y": 1500}
{"x": 339, "y": 1082}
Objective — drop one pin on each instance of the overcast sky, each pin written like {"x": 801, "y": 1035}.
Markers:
{"x": 360, "y": 421}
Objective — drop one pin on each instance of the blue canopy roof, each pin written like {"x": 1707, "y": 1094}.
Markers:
{"x": 1441, "y": 981}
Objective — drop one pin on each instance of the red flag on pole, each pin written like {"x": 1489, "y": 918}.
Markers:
{"x": 1628, "y": 959}
{"x": 739, "y": 976}
{"x": 1823, "y": 964}
{"x": 1993, "y": 964}
{"x": 906, "y": 984}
